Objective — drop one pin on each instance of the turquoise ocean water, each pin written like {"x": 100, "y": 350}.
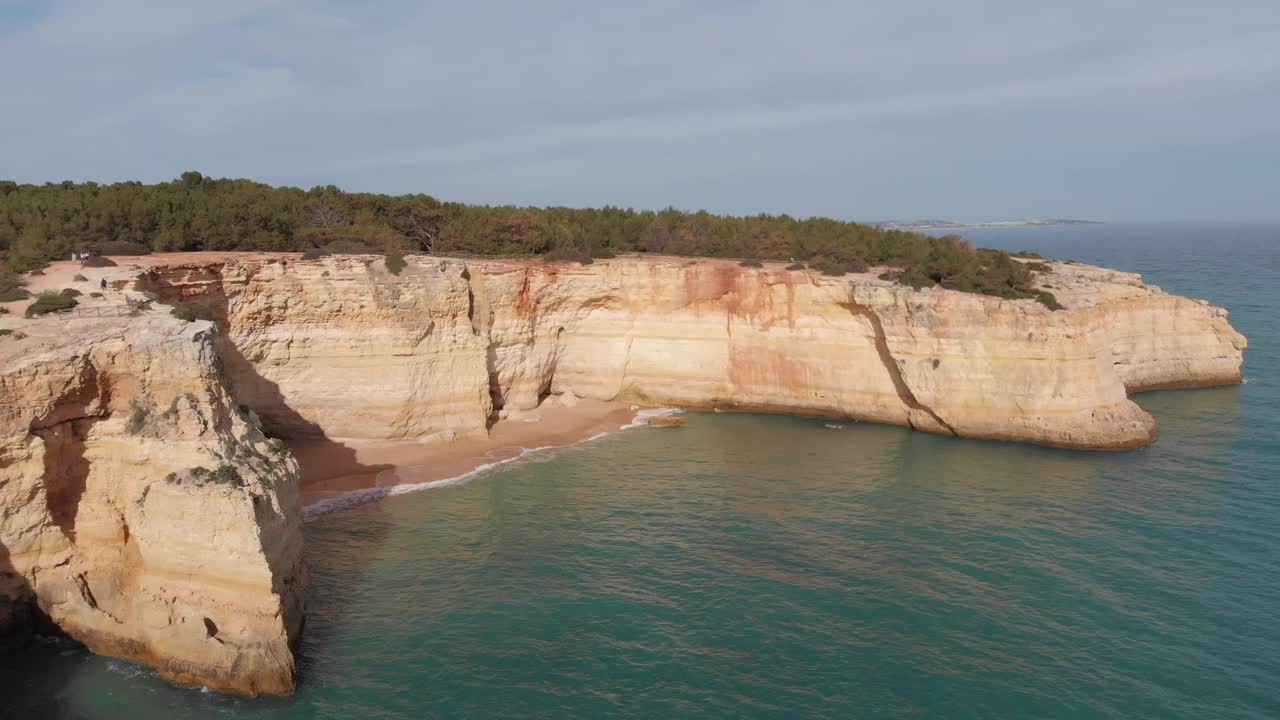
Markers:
{"x": 768, "y": 567}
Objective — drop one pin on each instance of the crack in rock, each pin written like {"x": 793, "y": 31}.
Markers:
{"x": 905, "y": 394}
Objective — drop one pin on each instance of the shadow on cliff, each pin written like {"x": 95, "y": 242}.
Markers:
{"x": 335, "y": 561}
{"x": 326, "y": 457}
{"x": 36, "y": 661}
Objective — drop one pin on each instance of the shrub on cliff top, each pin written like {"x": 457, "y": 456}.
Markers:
{"x": 121, "y": 247}
{"x": 192, "y": 311}
{"x": 796, "y": 266}
{"x": 395, "y": 263}
{"x": 26, "y": 263}
{"x": 80, "y": 278}
{"x": 48, "y": 302}
{"x": 5, "y": 331}
{"x": 70, "y": 292}
{"x": 9, "y": 280}
{"x": 14, "y": 294}
{"x": 836, "y": 268}
{"x": 751, "y": 263}
{"x": 1047, "y": 299}
{"x": 566, "y": 249}
{"x": 97, "y": 261}
{"x": 339, "y": 247}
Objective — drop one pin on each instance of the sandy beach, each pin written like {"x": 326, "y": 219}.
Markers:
{"x": 333, "y": 470}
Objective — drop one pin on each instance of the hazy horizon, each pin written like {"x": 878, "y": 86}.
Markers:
{"x": 1150, "y": 112}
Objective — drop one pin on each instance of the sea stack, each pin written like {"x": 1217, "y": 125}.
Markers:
{"x": 143, "y": 513}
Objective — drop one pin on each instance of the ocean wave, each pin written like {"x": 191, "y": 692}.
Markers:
{"x": 643, "y": 416}
{"x": 379, "y": 491}
{"x": 387, "y": 483}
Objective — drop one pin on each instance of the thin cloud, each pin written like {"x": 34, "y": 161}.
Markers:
{"x": 513, "y": 101}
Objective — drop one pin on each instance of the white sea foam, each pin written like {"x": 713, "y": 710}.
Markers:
{"x": 643, "y": 416}
{"x": 387, "y": 483}
{"x": 382, "y": 489}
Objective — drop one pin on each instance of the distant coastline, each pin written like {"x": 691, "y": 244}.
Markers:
{"x": 953, "y": 225}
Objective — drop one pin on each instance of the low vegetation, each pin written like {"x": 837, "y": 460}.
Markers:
{"x": 39, "y": 223}
{"x": 1048, "y": 300}
{"x": 50, "y": 302}
{"x": 120, "y": 247}
{"x": 566, "y": 248}
{"x": 11, "y": 286}
{"x": 395, "y": 263}
{"x": 80, "y": 278}
{"x": 345, "y": 246}
{"x": 192, "y": 311}
{"x": 224, "y": 474}
{"x": 138, "y": 415}
{"x": 70, "y": 292}
{"x": 836, "y": 268}
{"x": 751, "y": 263}
{"x": 97, "y": 261}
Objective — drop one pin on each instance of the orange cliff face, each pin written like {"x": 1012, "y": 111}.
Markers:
{"x": 339, "y": 347}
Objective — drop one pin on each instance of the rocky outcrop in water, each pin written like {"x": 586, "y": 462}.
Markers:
{"x": 143, "y": 513}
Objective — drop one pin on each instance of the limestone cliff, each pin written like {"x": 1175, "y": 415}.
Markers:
{"x": 144, "y": 511}
{"x": 340, "y": 347}
{"x": 140, "y": 510}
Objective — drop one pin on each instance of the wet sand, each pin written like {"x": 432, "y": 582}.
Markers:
{"x": 332, "y": 470}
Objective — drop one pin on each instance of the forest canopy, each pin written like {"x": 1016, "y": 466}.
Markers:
{"x": 39, "y": 223}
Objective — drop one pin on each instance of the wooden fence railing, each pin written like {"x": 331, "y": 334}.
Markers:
{"x": 98, "y": 311}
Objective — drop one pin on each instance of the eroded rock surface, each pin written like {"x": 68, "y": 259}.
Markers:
{"x": 141, "y": 511}
{"x": 342, "y": 348}
{"x": 145, "y": 512}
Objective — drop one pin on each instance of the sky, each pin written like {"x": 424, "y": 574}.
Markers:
{"x": 982, "y": 109}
